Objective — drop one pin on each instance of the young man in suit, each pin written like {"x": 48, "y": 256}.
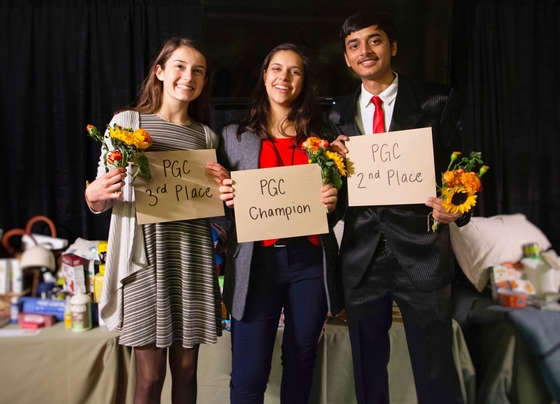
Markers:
{"x": 387, "y": 253}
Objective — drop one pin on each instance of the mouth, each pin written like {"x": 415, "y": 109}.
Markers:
{"x": 367, "y": 61}
{"x": 185, "y": 87}
{"x": 281, "y": 87}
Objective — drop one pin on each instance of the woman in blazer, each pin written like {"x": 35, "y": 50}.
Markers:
{"x": 296, "y": 274}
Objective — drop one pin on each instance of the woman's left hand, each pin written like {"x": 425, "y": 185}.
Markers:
{"x": 217, "y": 172}
{"x": 330, "y": 197}
{"x": 439, "y": 213}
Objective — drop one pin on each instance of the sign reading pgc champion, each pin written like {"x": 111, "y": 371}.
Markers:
{"x": 393, "y": 168}
{"x": 278, "y": 202}
{"x": 180, "y": 188}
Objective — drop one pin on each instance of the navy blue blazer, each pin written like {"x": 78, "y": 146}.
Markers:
{"x": 425, "y": 256}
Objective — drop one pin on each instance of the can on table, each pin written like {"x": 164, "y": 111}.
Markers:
{"x": 531, "y": 250}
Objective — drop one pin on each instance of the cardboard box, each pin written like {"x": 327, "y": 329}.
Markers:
{"x": 74, "y": 272}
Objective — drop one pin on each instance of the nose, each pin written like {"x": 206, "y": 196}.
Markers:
{"x": 367, "y": 48}
{"x": 285, "y": 75}
{"x": 187, "y": 74}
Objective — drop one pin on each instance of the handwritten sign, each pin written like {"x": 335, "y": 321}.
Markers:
{"x": 180, "y": 188}
{"x": 393, "y": 168}
{"x": 279, "y": 202}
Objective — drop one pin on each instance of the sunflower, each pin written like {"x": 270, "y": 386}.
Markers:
{"x": 338, "y": 161}
{"x": 458, "y": 199}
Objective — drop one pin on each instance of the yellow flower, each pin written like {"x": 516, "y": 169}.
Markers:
{"x": 458, "y": 200}
{"x": 338, "y": 161}
{"x": 127, "y": 147}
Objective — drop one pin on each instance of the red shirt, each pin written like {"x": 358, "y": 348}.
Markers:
{"x": 279, "y": 152}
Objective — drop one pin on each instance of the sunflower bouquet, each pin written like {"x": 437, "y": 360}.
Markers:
{"x": 332, "y": 165}
{"x": 128, "y": 146}
{"x": 460, "y": 183}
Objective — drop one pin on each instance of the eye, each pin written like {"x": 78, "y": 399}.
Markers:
{"x": 179, "y": 66}
{"x": 296, "y": 72}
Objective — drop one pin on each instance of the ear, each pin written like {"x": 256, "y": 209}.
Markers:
{"x": 394, "y": 48}
{"x": 160, "y": 74}
{"x": 264, "y": 75}
{"x": 346, "y": 59}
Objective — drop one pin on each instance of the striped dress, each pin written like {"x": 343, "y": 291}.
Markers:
{"x": 176, "y": 297}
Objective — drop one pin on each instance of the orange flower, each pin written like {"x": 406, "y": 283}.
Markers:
{"x": 114, "y": 156}
{"x": 449, "y": 177}
{"x": 470, "y": 181}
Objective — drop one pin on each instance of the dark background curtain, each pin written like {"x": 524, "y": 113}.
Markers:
{"x": 506, "y": 64}
{"x": 69, "y": 63}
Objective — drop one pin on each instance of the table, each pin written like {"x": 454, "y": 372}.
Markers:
{"x": 58, "y": 365}
{"x": 61, "y": 366}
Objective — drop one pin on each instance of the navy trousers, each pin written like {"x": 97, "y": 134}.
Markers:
{"x": 288, "y": 277}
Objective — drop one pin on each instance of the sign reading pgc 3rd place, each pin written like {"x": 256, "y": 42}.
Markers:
{"x": 180, "y": 188}
{"x": 280, "y": 202}
{"x": 393, "y": 168}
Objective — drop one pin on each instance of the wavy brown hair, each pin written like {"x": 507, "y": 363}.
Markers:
{"x": 304, "y": 111}
{"x": 151, "y": 94}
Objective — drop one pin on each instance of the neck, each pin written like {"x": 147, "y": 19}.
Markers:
{"x": 178, "y": 116}
{"x": 377, "y": 86}
{"x": 279, "y": 125}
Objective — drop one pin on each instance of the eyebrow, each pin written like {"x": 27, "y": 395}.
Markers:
{"x": 182, "y": 61}
{"x": 351, "y": 41}
{"x": 289, "y": 67}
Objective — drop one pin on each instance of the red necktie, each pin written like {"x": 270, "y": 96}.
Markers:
{"x": 378, "y": 120}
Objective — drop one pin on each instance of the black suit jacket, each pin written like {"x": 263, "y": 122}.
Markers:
{"x": 425, "y": 256}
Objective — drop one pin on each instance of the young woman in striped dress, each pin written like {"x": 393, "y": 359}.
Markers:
{"x": 160, "y": 288}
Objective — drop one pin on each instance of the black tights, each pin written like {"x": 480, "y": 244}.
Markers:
{"x": 151, "y": 367}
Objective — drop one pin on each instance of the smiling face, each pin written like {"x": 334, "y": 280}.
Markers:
{"x": 283, "y": 78}
{"x": 368, "y": 52}
{"x": 183, "y": 75}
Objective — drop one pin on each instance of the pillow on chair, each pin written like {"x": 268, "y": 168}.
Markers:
{"x": 487, "y": 241}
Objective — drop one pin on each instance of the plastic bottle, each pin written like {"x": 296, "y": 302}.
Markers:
{"x": 80, "y": 305}
{"x": 68, "y": 314}
{"x": 14, "y": 310}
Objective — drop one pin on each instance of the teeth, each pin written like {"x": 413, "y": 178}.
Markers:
{"x": 282, "y": 87}
{"x": 183, "y": 87}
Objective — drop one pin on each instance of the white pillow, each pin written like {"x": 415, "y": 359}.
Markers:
{"x": 484, "y": 242}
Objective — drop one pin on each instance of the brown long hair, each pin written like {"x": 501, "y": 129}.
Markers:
{"x": 150, "y": 98}
{"x": 304, "y": 112}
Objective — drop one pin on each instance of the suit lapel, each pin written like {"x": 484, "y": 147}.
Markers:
{"x": 407, "y": 112}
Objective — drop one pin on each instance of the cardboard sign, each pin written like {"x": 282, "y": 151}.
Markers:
{"x": 278, "y": 202}
{"x": 393, "y": 168}
{"x": 180, "y": 188}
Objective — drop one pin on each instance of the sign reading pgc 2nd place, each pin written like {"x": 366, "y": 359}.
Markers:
{"x": 393, "y": 168}
{"x": 180, "y": 189}
{"x": 278, "y": 202}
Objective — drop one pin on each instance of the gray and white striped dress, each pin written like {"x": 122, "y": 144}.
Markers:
{"x": 176, "y": 297}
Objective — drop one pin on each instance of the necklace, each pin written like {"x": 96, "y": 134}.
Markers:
{"x": 278, "y": 157}
{"x": 187, "y": 122}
